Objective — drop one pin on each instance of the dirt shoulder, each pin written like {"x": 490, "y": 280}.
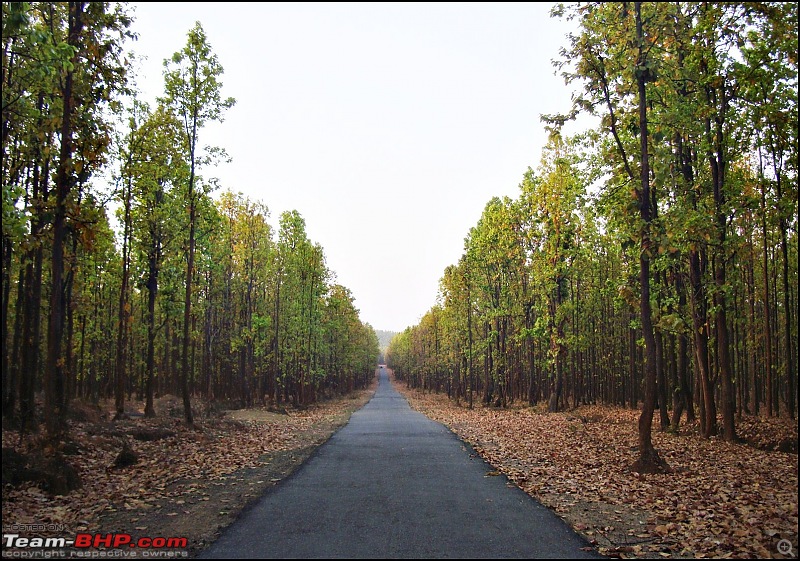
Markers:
{"x": 186, "y": 482}
{"x": 721, "y": 499}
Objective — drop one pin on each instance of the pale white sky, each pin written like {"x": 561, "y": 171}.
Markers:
{"x": 387, "y": 126}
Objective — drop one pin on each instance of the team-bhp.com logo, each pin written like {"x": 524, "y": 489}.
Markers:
{"x": 86, "y": 543}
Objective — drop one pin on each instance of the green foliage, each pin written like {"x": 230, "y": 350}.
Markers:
{"x": 554, "y": 275}
{"x": 192, "y": 84}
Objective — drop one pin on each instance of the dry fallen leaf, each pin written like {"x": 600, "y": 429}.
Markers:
{"x": 721, "y": 500}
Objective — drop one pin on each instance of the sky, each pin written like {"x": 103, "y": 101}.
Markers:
{"x": 387, "y": 126}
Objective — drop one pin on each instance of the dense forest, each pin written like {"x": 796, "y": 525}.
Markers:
{"x": 650, "y": 262}
{"x": 184, "y": 287}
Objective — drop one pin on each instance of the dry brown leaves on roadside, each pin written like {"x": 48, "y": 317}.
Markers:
{"x": 721, "y": 500}
{"x": 184, "y": 463}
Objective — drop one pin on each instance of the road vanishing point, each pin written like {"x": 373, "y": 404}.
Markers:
{"x": 392, "y": 483}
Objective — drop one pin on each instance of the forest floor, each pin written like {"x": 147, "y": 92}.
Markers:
{"x": 187, "y": 482}
{"x": 721, "y": 500}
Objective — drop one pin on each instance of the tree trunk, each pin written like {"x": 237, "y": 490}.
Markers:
{"x": 791, "y": 372}
{"x": 272, "y": 380}
{"x": 152, "y": 291}
{"x": 32, "y": 298}
{"x": 717, "y": 161}
{"x": 54, "y": 375}
{"x": 123, "y": 318}
{"x": 700, "y": 330}
{"x": 649, "y": 461}
{"x": 187, "y": 306}
{"x": 8, "y": 390}
{"x": 683, "y": 363}
{"x": 12, "y": 392}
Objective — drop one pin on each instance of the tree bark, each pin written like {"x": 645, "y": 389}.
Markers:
{"x": 152, "y": 291}
{"x": 54, "y": 374}
{"x": 718, "y": 162}
{"x": 187, "y": 302}
{"x": 123, "y": 318}
{"x": 649, "y": 461}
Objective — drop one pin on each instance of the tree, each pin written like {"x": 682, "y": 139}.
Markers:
{"x": 193, "y": 92}
{"x": 613, "y": 41}
{"x": 157, "y": 172}
{"x": 551, "y": 201}
{"x": 128, "y": 153}
{"x": 95, "y": 63}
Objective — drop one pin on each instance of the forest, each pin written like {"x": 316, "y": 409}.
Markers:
{"x": 128, "y": 271}
{"x": 619, "y": 338}
{"x": 650, "y": 262}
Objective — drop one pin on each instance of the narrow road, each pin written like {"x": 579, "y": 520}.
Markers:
{"x": 394, "y": 484}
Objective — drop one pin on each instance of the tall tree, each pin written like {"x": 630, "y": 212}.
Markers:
{"x": 156, "y": 173}
{"x": 614, "y": 41}
{"x": 193, "y": 91}
{"x": 552, "y": 201}
{"x": 648, "y": 457}
{"x": 129, "y": 152}
{"x": 94, "y": 33}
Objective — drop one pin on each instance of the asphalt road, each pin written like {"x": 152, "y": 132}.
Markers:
{"x": 394, "y": 484}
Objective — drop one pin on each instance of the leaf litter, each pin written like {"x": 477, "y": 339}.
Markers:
{"x": 722, "y": 500}
{"x": 191, "y": 482}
